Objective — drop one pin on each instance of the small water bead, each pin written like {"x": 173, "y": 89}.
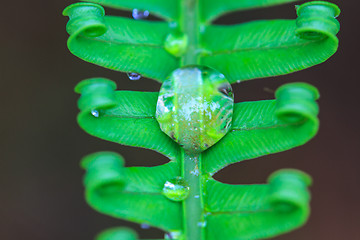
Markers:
{"x": 95, "y": 113}
{"x": 202, "y": 224}
{"x": 133, "y": 76}
{"x": 145, "y": 226}
{"x": 176, "y": 189}
{"x": 197, "y": 196}
{"x": 176, "y": 44}
{"x": 137, "y": 14}
{"x": 168, "y": 236}
{"x": 174, "y": 235}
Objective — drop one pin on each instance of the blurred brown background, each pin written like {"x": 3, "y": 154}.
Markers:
{"x": 40, "y": 180}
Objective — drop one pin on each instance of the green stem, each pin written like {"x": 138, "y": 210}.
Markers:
{"x": 190, "y": 26}
{"x": 193, "y": 207}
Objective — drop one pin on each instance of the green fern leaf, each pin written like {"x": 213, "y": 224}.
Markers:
{"x": 133, "y": 193}
{"x": 265, "y": 127}
{"x": 123, "y": 117}
{"x": 167, "y": 9}
{"x": 242, "y": 52}
{"x": 193, "y": 121}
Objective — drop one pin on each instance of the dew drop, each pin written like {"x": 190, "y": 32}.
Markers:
{"x": 133, "y": 76}
{"x": 174, "y": 235}
{"x": 145, "y": 226}
{"x": 201, "y": 224}
{"x": 168, "y": 236}
{"x": 137, "y": 14}
{"x": 176, "y": 44}
{"x": 95, "y": 113}
{"x": 197, "y": 196}
{"x": 176, "y": 189}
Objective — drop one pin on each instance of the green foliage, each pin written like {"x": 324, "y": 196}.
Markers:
{"x": 241, "y": 52}
{"x": 259, "y": 128}
{"x": 181, "y": 197}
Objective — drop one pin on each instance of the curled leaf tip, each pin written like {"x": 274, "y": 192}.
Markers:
{"x": 100, "y": 158}
{"x": 296, "y": 102}
{"x": 289, "y": 190}
{"x": 104, "y": 171}
{"x": 96, "y": 93}
{"x": 86, "y": 19}
{"x": 317, "y": 20}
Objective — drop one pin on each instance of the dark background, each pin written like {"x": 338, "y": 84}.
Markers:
{"x": 41, "y": 193}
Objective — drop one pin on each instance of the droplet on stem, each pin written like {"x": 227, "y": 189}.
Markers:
{"x": 176, "y": 44}
{"x": 202, "y": 224}
{"x": 133, "y": 76}
{"x": 176, "y": 189}
{"x": 137, "y": 14}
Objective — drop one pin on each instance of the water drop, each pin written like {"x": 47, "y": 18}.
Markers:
{"x": 137, "y": 14}
{"x": 145, "y": 226}
{"x": 133, "y": 76}
{"x": 173, "y": 235}
{"x": 95, "y": 113}
{"x": 196, "y": 196}
{"x": 168, "y": 236}
{"x": 176, "y": 44}
{"x": 176, "y": 189}
{"x": 202, "y": 224}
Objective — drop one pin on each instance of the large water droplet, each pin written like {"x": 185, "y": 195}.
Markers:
{"x": 95, "y": 113}
{"x": 145, "y": 226}
{"x": 176, "y": 189}
{"x": 133, "y": 76}
{"x": 137, "y": 14}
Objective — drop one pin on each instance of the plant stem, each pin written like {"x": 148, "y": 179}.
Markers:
{"x": 190, "y": 26}
{"x": 193, "y": 207}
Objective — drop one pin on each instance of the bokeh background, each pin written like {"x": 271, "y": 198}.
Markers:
{"x": 41, "y": 193}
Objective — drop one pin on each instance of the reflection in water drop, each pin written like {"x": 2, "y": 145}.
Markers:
{"x": 95, "y": 113}
{"x": 195, "y": 172}
{"x": 176, "y": 189}
{"x": 133, "y": 76}
{"x": 145, "y": 226}
{"x": 137, "y": 14}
